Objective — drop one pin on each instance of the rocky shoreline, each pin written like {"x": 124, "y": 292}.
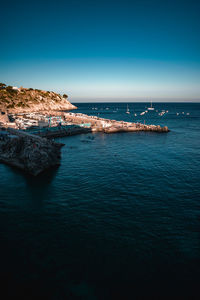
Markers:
{"x": 27, "y": 152}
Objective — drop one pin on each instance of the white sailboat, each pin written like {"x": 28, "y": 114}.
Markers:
{"x": 150, "y": 108}
{"x": 127, "y": 110}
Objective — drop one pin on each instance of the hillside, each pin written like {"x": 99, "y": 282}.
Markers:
{"x": 17, "y": 100}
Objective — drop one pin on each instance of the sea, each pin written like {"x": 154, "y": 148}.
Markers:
{"x": 118, "y": 219}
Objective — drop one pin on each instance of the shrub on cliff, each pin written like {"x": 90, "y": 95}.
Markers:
{"x": 11, "y": 106}
{"x": 2, "y": 85}
{"x": 20, "y": 104}
{"x": 3, "y": 99}
{"x": 65, "y": 96}
{"x": 10, "y": 90}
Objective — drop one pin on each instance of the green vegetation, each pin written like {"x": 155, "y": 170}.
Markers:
{"x": 2, "y": 85}
{"x": 11, "y": 105}
{"x": 3, "y": 99}
{"x": 10, "y": 90}
{"x": 27, "y": 97}
{"x": 20, "y": 104}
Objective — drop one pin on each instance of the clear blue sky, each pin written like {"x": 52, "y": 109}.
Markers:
{"x": 103, "y": 49}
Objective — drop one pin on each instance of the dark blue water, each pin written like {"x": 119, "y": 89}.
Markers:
{"x": 119, "y": 219}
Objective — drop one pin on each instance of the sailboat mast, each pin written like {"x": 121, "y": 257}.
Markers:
{"x": 127, "y": 110}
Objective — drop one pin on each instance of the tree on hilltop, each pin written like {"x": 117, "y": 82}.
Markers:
{"x": 2, "y": 85}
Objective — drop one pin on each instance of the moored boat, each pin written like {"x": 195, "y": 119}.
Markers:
{"x": 151, "y": 108}
{"x": 127, "y": 110}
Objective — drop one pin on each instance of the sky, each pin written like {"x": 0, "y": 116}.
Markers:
{"x": 97, "y": 50}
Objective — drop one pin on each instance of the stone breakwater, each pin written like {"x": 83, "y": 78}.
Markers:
{"x": 62, "y": 120}
{"x": 28, "y": 152}
{"x": 141, "y": 127}
{"x": 110, "y": 126}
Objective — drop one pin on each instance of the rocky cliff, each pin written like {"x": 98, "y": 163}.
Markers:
{"x": 17, "y": 100}
{"x": 27, "y": 152}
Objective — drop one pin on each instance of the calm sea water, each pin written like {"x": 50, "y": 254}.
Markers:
{"x": 119, "y": 219}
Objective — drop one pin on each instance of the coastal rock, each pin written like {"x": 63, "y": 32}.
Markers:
{"x": 3, "y": 118}
{"x": 29, "y": 153}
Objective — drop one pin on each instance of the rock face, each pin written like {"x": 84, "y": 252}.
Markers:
{"x": 3, "y": 118}
{"x": 18, "y": 100}
{"x": 29, "y": 153}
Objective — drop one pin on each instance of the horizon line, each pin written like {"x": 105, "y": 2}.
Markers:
{"x": 133, "y": 101}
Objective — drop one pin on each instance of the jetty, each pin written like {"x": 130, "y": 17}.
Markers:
{"x": 60, "y": 124}
{"x": 110, "y": 126}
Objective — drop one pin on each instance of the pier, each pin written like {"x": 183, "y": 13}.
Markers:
{"x": 65, "y": 131}
{"x": 77, "y": 123}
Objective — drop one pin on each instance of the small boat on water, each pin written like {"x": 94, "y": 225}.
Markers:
{"x": 161, "y": 113}
{"x": 177, "y": 114}
{"x": 142, "y": 113}
{"x": 127, "y": 110}
{"x": 151, "y": 108}
{"x": 135, "y": 115}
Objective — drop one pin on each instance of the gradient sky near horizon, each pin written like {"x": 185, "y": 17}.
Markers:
{"x": 103, "y": 49}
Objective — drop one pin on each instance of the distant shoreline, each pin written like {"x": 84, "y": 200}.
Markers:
{"x": 146, "y": 102}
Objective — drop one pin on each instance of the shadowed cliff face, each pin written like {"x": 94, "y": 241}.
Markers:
{"x": 29, "y": 153}
{"x": 17, "y": 100}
